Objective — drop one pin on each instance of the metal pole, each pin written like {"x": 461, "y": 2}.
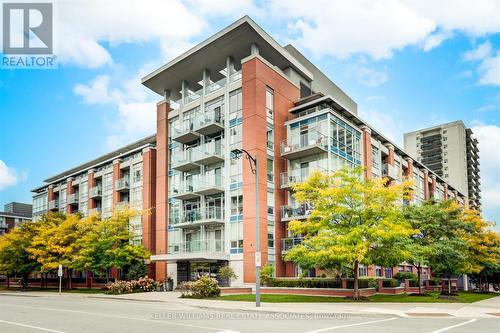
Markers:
{"x": 257, "y": 234}
{"x": 60, "y": 284}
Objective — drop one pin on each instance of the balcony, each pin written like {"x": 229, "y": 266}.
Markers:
{"x": 183, "y": 161}
{"x": 213, "y": 87}
{"x": 123, "y": 204}
{"x": 211, "y": 184}
{"x": 208, "y": 249}
{"x": 122, "y": 185}
{"x": 53, "y": 205}
{"x": 295, "y": 212}
{"x": 209, "y": 215}
{"x": 185, "y": 190}
{"x": 73, "y": 199}
{"x": 390, "y": 171}
{"x": 297, "y": 176}
{"x": 306, "y": 144}
{"x": 186, "y": 133}
{"x": 210, "y": 122}
{"x": 288, "y": 243}
{"x": 209, "y": 153}
{"x": 193, "y": 96}
{"x": 96, "y": 210}
{"x": 95, "y": 192}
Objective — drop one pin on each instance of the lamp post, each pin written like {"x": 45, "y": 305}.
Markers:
{"x": 236, "y": 153}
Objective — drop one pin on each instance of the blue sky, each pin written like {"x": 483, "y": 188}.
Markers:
{"x": 407, "y": 64}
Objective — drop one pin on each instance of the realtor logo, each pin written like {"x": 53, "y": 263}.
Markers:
{"x": 27, "y": 35}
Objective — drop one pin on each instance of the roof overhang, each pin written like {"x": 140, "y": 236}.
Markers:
{"x": 235, "y": 41}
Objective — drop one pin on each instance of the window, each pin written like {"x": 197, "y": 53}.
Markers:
{"x": 270, "y": 138}
{"x": 363, "y": 271}
{"x": 236, "y": 236}
{"x": 236, "y": 202}
{"x": 445, "y": 131}
{"x": 235, "y": 104}
{"x": 378, "y": 271}
{"x": 270, "y": 201}
{"x": 270, "y": 170}
{"x": 388, "y": 273}
{"x": 375, "y": 158}
{"x": 270, "y": 234}
{"x": 269, "y": 104}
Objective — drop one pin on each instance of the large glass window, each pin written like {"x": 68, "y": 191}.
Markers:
{"x": 269, "y": 105}
{"x": 235, "y": 104}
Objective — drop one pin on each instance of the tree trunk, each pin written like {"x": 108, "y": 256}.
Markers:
{"x": 419, "y": 273}
{"x": 356, "y": 275}
{"x": 8, "y": 281}
{"x": 449, "y": 285}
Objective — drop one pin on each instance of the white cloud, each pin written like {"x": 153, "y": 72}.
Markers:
{"x": 96, "y": 91}
{"x": 490, "y": 71}
{"x": 9, "y": 176}
{"x": 368, "y": 76}
{"x": 384, "y": 122}
{"x": 378, "y": 28}
{"x": 83, "y": 26}
{"x": 489, "y": 146}
{"x": 481, "y": 52}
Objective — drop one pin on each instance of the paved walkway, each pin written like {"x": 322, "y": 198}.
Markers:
{"x": 489, "y": 308}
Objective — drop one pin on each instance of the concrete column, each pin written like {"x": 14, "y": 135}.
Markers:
{"x": 161, "y": 195}
{"x": 229, "y": 66}
{"x": 184, "y": 91}
{"x": 254, "y": 49}
{"x": 367, "y": 150}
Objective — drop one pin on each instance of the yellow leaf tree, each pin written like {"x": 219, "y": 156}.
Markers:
{"x": 354, "y": 221}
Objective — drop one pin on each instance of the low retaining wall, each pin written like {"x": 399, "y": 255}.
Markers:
{"x": 235, "y": 290}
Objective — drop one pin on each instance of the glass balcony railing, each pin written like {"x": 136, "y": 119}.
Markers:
{"x": 209, "y": 153}
{"x": 184, "y": 160}
{"x": 296, "y": 176}
{"x": 193, "y": 216}
{"x": 73, "y": 198}
{"x": 96, "y": 210}
{"x": 216, "y": 86}
{"x": 185, "y": 133}
{"x": 193, "y": 96}
{"x": 209, "y": 122}
{"x": 197, "y": 246}
{"x": 295, "y": 212}
{"x": 53, "y": 204}
{"x": 95, "y": 192}
{"x": 312, "y": 142}
{"x": 193, "y": 187}
{"x": 235, "y": 77}
{"x": 288, "y": 243}
{"x": 122, "y": 184}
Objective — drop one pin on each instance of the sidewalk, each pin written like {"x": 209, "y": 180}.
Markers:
{"x": 489, "y": 308}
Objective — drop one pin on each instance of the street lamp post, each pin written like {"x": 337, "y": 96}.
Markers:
{"x": 255, "y": 170}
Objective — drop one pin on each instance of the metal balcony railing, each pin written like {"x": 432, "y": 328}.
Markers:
{"x": 312, "y": 142}
{"x": 197, "y": 246}
{"x": 122, "y": 184}
{"x": 292, "y": 212}
{"x": 296, "y": 176}
{"x": 95, "y": 192}
{"x": 288, "y": 243}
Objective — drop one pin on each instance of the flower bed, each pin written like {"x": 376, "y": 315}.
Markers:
{"x": 143, "y": 284}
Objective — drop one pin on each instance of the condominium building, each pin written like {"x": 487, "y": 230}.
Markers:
{"x": 451, "y": 151}
{"x": 13, "y": 214}
{"x": 239, "y": 90}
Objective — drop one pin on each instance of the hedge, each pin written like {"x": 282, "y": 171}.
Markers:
{"x": 304, "y": 283}
{"x": 392, "y": 283}
{"x": 401, "y": 276}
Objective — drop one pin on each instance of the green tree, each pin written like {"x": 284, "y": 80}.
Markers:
{"x": 109, "y": 245}
{"x": 429, "y": 218}
{"x": 354, "y": 221}
{"x": 14, "y": 255}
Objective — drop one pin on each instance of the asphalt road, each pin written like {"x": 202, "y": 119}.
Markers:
{"x": 72, "y": 313}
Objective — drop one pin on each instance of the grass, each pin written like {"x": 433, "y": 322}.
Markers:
{"x": 463, "y": 297}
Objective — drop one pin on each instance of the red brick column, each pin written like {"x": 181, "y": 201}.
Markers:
{"x": 445, "y": 191}
{"x": 50, "y": 193}
{"x": 367, "y": 150}
{"x": 432, "y": 188}
{"x": 69, "y": 191}
{"x": 91, "y": 183}
{"x": 256, "y": 77}
{"x": 426, "y": 185}
{"x": 390, "y": 153}
{"x": 117, "y": 174}
{"x": 149, "y": 202}
{"x": 409, "y": 173}
{"x": 161, "y": 225}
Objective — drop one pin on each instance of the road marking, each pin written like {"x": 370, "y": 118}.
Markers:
{"x": 350, "y": 325}
{"x": 457, "y": 325}
{"x": 168, "y": 322}
{"x": 29, "y": 326}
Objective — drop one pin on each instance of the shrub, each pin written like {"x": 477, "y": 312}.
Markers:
{"x": 204, "y": 287}
{"x": 401, "y": 276}
{"x": 435, "y": 281}
{"x": 143, "y": 284}
{"x": 227, "y": 273}
{"x": 413, "y": 283}
{"x": 266, "y": 273}
{"x": 391, "y": 283}
{"x": 304, "y": 283}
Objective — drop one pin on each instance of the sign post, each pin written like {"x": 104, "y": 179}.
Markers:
{"x": 60, "y": 274}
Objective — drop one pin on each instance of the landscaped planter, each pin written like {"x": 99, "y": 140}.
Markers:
{"x": 340, "y": 292}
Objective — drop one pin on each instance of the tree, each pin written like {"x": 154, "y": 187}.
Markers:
{"x": 354, "y": 221}
{"x": 108, "y": 245}
{"x": 428, "y": 218}
{"x": 14, "y": 255}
